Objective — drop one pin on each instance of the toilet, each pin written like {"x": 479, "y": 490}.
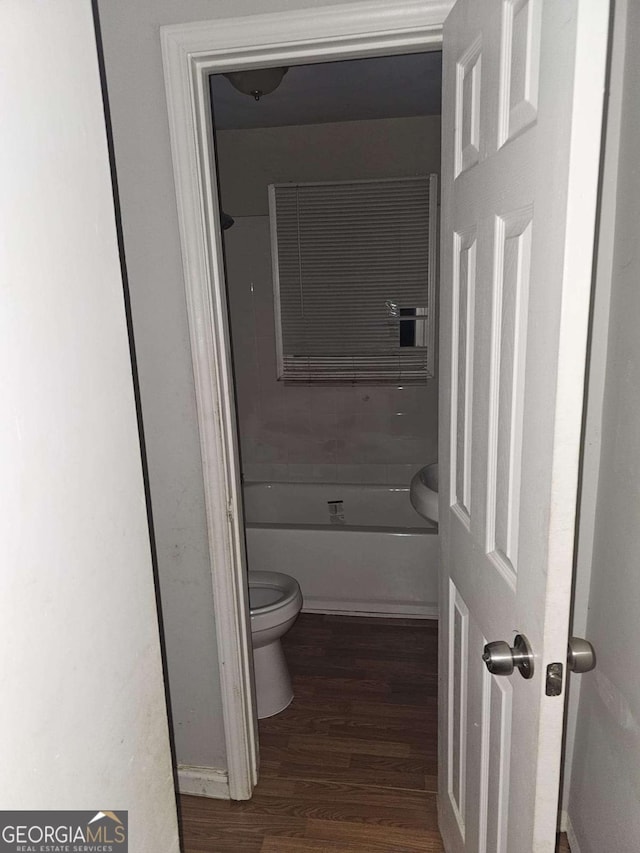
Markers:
{"x": 275, "y": 601}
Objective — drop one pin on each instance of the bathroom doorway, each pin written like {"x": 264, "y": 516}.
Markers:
{"x": 313, "y": 36}
{"x": 379, "y": 36}
{"x": 326, "y": 464}
{"x": 328, "y": 187}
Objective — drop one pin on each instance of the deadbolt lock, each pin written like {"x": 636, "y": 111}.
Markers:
{"x": 581, "y": 656}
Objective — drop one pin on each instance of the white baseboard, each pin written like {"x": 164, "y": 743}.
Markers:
{"x": 203, "y": 782}
{"x": 369, "y": 608}
{"x": 567, "y": 826}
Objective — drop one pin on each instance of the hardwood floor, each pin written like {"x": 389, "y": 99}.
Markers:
{"x": 350, "y": 766}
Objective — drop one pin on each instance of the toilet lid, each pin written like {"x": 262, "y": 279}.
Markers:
{"x": 264, "y": 596}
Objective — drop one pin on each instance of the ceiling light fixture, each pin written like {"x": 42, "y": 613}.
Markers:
{"x": 256, "y": 81}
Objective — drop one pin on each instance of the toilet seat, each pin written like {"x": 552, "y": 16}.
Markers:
{"x": 274, "y": 598}
{"x": 268, "y": 591}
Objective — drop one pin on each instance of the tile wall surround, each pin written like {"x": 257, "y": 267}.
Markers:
{"x": 346, "y": 434}
{"x": 349, "y": 433}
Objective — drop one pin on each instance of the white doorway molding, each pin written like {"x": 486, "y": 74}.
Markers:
{"x": 191, "y": 53}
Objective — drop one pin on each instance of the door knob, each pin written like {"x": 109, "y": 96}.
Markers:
{"x": 502, "y": 659}
{"x": 581, "y": 656}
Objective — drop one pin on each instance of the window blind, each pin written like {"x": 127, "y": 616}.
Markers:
{"x": 353, "y": 262}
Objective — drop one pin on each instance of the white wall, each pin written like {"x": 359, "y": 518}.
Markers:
{"x": 82, "y": 718}
{"x": 357, "y": 433}
{"x": 249, "y": 160}
{"x": 599, "y": 339}
{"x": 604, "y": 792}
{"x": 131, "y": 39}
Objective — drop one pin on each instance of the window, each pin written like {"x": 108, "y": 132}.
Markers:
{"x": 354, "y": 280}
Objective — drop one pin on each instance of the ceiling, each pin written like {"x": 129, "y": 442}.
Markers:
{"x": 356, "y": 89}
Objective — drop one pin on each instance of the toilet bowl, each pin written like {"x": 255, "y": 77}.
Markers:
{"x": 275, "y": 601}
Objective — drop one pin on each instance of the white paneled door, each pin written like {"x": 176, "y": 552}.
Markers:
{"x": 523, "y": 96}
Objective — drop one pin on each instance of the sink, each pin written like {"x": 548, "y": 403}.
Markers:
{"x": 424, "y": 492}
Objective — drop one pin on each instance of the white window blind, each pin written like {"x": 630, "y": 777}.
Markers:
{"x": 354, "y": 279}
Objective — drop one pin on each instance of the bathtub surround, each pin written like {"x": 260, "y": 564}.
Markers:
{"x": 353, "y": 549}
{"x": 342, "y": 433}
{"x": 350, "y": 433}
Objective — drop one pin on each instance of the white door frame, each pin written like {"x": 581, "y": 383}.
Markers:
{"x": 191, "y": 52}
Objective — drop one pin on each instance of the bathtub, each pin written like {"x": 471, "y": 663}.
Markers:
{"x": 352, "y": 548}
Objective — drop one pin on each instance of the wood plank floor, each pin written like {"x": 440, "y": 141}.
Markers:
{"x": 351, "y": 765}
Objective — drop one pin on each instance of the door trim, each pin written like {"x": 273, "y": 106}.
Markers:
{"x": 191, "y": 52}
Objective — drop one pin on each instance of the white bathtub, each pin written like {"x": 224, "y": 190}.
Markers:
{"x": 380, "y": 558}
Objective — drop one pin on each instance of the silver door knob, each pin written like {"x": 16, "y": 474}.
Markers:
{"x": 501, "y": 659}
{"x": 581, "y": 656}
